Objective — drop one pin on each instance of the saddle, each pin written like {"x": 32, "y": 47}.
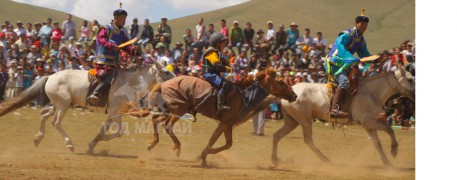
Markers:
{"x": 103, "y": 99}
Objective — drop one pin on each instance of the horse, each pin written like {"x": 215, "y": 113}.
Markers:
{"x": 366, "y": 105}
{"x": 70, "y": 87}
{"x": 186, "y": 93}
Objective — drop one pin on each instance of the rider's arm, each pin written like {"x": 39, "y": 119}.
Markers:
{"x": 363, "y": 52}
{"x": 103, "y": 39}
{"x": 344, "y": 54}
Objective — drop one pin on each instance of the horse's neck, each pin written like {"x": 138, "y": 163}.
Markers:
{"x": 246, "y": 82}
{"x": 378, "y": 87}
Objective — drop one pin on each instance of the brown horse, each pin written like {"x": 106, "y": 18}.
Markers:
{"x": 185, "y": 93}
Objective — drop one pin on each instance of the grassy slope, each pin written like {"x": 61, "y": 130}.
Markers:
{"x": 391, "y": 21}
{"x": 14, "y": 11}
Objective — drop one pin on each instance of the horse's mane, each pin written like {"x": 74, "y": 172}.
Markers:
{"x": 259, "y": 76}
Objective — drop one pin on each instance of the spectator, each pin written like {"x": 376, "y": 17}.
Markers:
{"x": 235, "y": 37}
{"x": 135, "y": 29}
{"x": 167, "y": 59}
{"x": 271, "y": 33}
{"x": 281, "y": 40}
{"x": 28, "y": 29}
{"x": 241, "y": 61}
{"x": 196, "y": 55}
{"x": 3, "y": 81}
{"x": 164, "y": 28}
{"x": 292, "y": 35}
{"x": 258, "y": 122}
{"x": 320, "y": 43}
{"x": 84, "y": 33}
{"x": 248, "y": 36}
{"x": 304, "y": 43}
{"x": 224, "y": 30}
{"x": 200, "y": 29}
{"x": 147, "y": 34}
{"x": 160, "y": 50}
{"x": 33, "y": 55}
{"x": 208, "y": 34}
{"x": 260, "y": 43}
{"x": 177, "y": 52}
{"x": 37, "y": 29}
{"x": 56, "y": 34}
{"x": 20, "y": 30}
{"x": 394, "y": 119}
{"x": 370, "y": 71}
{"x": 188, "y": 38}
{"x": 45, "y": 32}
{"x": 68, "y": 28}
{"x": 28, "y": 75}
{"x": 94, "y": 30}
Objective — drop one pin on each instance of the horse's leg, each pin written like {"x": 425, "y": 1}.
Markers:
{"x": 384, "y": 127}
{"x": 169, "y": 129}
{"x": 61, "y": 110}
{"x": 155, "y": 139}
{"x": 116, "y": 120}
{"x": 97, "y": 138}
{"x": 216, "y": 134}
{"x": 289, "y": 125}
{"x": 374, "y": 137}
{"x": 308, "y": 138}
{"x": 45, "y": 114}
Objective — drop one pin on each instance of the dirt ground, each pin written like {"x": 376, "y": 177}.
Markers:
{"x": 353, "y": 156}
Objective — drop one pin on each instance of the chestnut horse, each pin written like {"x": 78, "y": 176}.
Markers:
{"x": 186, "y": 93}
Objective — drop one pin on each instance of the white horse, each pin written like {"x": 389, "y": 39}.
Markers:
{"x": 70, "y": 87}
{"x": 314, "y": 102}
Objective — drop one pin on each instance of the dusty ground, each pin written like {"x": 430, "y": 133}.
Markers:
{"x": 353, "y": 156}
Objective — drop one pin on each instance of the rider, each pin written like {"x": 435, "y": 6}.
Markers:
{"x": 107, "y": 54}
{"x": 213, "y": 64}
{"x": 340, "y": 58}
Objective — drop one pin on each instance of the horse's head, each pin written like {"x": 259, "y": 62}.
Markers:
{"x": 406, "y": 80}
{"x": 162, "y": 73}
{"x": 275, "y": 87}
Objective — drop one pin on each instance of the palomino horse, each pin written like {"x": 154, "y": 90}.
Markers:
{"x": 186, "y": 93}
{"x": 70, "y": 87}
{"x": 314, "y": 102}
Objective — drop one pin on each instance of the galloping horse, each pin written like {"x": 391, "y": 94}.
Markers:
{"x": 314, "y": 102}
{"x": 70, "y": 87}
{"x": 186, "y": 93}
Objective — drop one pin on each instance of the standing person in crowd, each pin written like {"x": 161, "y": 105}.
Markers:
{"x": 19, "y": 81}
{"x": 188, "y": 38}
{"x": 164, "y": 28}
{"x": 28, "y": 29}
{"x": 224, "y": 29}
{"x": 271, "y": 33}
{"x": 261, "y": 45}
{"x": 94, "y": 29}
{"x": 56, "y": 34}
{"x": 207, "y": 35}
{"x": 258, "y": 122}
{"x": 340, "y": 58}
{"x": 134, "y": 29}
{"x": 69, "y": 28}
{"x": 200, "y": 29}
{"x": 248, "y": 36}
{"x": 292, "y": 35}
{"x": 28, "y": 75}
{"x": 304, "y": 43}
{"x": 108, "y": 52}
{"x": 235, "y": 37}
{"x": 45, "y": 32}
{"x": 213, "y": 64}
{"x": 321, "y": 44}
{"x": 12, "y": 78}
{"x": 3, "y": 81}
{"x": 84, "y": 37}
{"x": 280, "y": 40}
{"x": 147, "y": 34}
{"x": 37, "y": 26}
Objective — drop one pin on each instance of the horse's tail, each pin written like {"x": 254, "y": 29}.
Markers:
{"x": 133, "y": 109}
{"x": 25, "y": 97}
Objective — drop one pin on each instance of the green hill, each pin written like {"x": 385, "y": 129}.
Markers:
{"x": 391, "y": 21}
{"x": 14, "y": 11}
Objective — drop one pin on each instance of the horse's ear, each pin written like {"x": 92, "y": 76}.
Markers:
{"x": 402, "y": 70}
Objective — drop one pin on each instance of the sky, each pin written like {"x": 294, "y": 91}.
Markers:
{"x": 102, "y": 10}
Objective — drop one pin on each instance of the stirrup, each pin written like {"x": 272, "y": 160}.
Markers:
{"x": 221, "y": 107}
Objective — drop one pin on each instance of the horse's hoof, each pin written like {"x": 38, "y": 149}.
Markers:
{"x": 204, "y": 164}
{"x": 178, "y": 152}
{"x": 71, "y": 148}
{"x": 37, "y": 142}
{"x": 150, "y": 147}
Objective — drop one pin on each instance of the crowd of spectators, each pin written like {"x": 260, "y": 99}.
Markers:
{"x": 43, "y": 48}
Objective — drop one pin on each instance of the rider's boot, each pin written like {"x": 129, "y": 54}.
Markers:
{"x": 337, "y": 97}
